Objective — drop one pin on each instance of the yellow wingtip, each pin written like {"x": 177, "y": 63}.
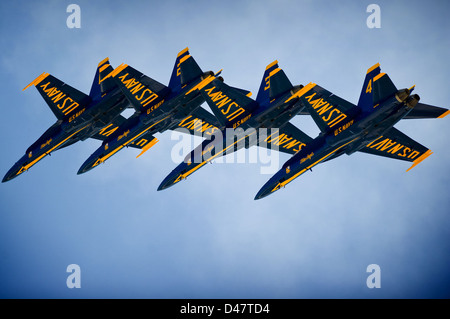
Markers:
{"x": 420, "y": 159}
{"x": 148, "y": 146}
{"x": 37, "y": 80}
{"x": 444, "y": 115}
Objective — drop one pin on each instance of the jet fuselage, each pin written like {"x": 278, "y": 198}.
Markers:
{"x": 83, "y": 124}
{"x": 352, "y": 135}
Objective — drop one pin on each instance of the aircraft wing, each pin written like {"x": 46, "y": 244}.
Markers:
{"x": 143, "y": 92}
{"x": 230, "y": 105}
{"x": 395, "y": 144}
{"x": 63, "y": 100}
{"x": 329, "y": 111}
{"x": 199, "y": 122}
{"x": 289, "y": 139}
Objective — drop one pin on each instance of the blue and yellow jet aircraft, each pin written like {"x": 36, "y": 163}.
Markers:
{"x": 366, "y": 127}
{"x": 157, "y": 107}
{"x": 241, "y": 118}
{"x": 79, "y": 116}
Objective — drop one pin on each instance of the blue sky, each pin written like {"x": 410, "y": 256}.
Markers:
{"x": 207, "y": 237}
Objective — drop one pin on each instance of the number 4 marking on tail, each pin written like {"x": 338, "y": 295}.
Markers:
{"x": 369, "y": 87}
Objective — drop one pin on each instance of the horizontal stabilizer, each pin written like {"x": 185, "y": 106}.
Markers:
{"x": 63, "y": 100}
{"x": 425, "y": 111}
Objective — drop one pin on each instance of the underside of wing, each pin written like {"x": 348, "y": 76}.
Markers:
{"x": 63, "y": 100}
{"x": 231, "y": 106}
{"x": 199, "y": 122}
{"x": 326, "y": 109}
{"x": 395, "y": 144}
{"x": 287, "y": 139}
{"x": 142, "y": 91}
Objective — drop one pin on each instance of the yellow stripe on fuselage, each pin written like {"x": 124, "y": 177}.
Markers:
{"x": 210, "y": 159}
{"x": 26, "y": 167}
{"x": 279, "y": 185}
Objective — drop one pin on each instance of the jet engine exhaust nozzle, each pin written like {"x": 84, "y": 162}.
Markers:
{"x": 412, "y": 101}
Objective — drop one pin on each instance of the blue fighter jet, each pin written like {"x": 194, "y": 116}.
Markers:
{"x": 79, "y": 116}
{"x": 366, "y": 127}
{"x": 157, "y": 107}
{"x": 246, "y": 122}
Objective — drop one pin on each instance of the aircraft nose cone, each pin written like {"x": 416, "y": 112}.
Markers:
{"x": 6, "y": 178}
{"x": 10, "y": 175}
{"x": 83, "y": 169}
{"x": 87, "y": 165}
{"x": 168, "y": 181}
{"x": 263, "y": 192}
{"x": 13, "y": 172}
{"x": 266, "y": 190}
{"x": 272, "y": 185}
{"x": 173, "y": 177}
{"x": 92, "y": 161}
